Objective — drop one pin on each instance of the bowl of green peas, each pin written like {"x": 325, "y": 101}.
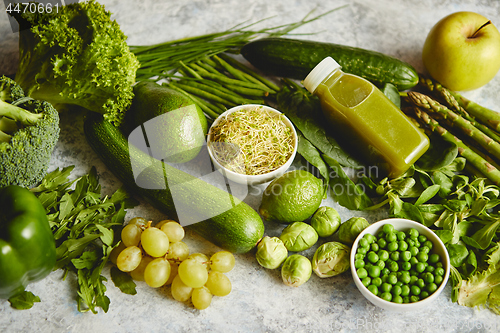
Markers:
{"x": 399, "y": 264}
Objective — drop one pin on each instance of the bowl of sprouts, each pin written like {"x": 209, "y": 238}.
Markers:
{"x": 252, "y": 144}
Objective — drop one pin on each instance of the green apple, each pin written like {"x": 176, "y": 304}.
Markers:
{"x": 462, "y": 51}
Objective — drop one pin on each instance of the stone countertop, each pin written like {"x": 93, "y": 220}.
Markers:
{"x": 259, "y": 301}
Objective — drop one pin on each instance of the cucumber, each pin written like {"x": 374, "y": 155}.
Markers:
{"x": 238, "y": 229}
{"x": 293, "y": 58}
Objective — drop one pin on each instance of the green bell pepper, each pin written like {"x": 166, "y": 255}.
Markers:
{"x": 27, "y": 246}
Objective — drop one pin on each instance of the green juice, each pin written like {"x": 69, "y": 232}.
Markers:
{"x": 362, "y": 116}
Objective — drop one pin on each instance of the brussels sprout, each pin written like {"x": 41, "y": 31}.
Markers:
{"x": 350, "y": 229}
{"x": 299, "y": 236}
{"x": 296, "y": 270}
{"x": 271, "y": 252}
{"x": 326, "y": 220}
{"x": 331, "y": 259}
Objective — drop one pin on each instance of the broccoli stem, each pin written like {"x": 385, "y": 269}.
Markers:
{"x": 4, "y": 137}
{"x": 18, "y": 114}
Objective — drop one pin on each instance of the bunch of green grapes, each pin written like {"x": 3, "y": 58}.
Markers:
{"x": 157, "y": 255}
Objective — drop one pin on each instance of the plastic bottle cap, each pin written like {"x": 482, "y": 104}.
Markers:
{"x": 322, "y": 70}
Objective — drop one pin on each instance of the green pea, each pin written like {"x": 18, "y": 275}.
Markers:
{"x": 359, "y": 256}
{"x": 374, "y": 271}
{"x": 362, "y": 250}
{"x": 401, "y": 235}
{"x": 359, "y": 263}
{"x": 386, "y": 296}
{"x": 434, "y": 258}
{"x": 429, "y": 269}
{"x": 405, "y": 290}
{"x": 410, "y": 242}
{"x": 414, "y": 299}
{"x": 382, "y": 243}
{"x": 422, "y": 238}
{"x": 416, "y": 243}
{"x": 362, "y": 273}
{"x": 429, "y": 244}
{"x": 369, "y": 238}
{"x": 431, "y": 287}
{"x": 393, "y": 266}
{"x": 399, "y": 284}
{"x": 422, "y": 257}
{"x": 383, "y": 255}
{"x": 420, "y": 267}
{"x": 397, "y": 299}
{"x": 425, "y": 249}
{"x": 413, "y": 279}
{"x": 374, "y": 247}
{"x": 424, "y": 294}
{"x": 439, "y": 271}
{"x": 405, "y": 265}
{"x": 420, "y": 283}
{"x": 413, "y": 261}
{"x": 396, "y": 290}
{"x": 363, "y": 243}
{"x": 415, "y": 290}
{"x": 439, "y": 264}
{"x": 392, "y": 246}
{"x": 413, "y": 233}
{"x": 395, "y": 255}
{"x": 405, "y": 277}
{"x": 386, "y": 287}
{"x": 385, "y": 271}
{"x": 380, "y": 264}
{"x": 414, "y": 251}
{"x": 388, "y": 228}
{"x": 377, "y": 281}
{"x": 366, "y": 281}
{"x": 406, "y": 299}
{"x": 392, "y": 279}
{"x": 438, "y": 279}
{"x": 406, "y": 255}
{"x": 373, "y": 289}
{"x": 391, "y": 238}
{"x": 372, "y": 257}
{"x": 402, "y": 245}
{"x": 428, "y": 277}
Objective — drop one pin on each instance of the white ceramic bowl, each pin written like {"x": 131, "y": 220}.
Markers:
{"x": 253, "y": 179}
{"x": 402, "y": 225}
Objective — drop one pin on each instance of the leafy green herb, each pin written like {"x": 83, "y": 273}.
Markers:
{"x": 123, "y": 281}
{"x": 24, "y": 300}
{"x": 83, "y": 223}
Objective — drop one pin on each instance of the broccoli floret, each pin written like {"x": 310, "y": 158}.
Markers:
{"x": 29, "y": 130}
{"x": 77, "y": 56}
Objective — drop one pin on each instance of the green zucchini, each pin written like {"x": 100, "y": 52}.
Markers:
{"x": 293, "y": 58}
{"x": 237, "y": 229}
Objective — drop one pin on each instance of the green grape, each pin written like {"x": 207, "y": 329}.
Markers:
{"x": 178, "y": 251}
{"x": 157, "y": 272}
{"x": 129, "y": 259}
{"x": 192, "y": 273}
{"x": 180, "y": 292}
{"x": 160, "y": 224}
{"x": 218, "y": 283}
{"x": 138, "y": 273}
{"x": 116, "y": 251}
{"x": 139, "y": 221}
{"x": 201, "y": 298}
{"x": 174, "y": 231}
{"x": 131, "y": 235}
{"x": 173, "y": 272}
{"x": 155, "y": 242}
{"x": 222, "y": 261}
{"x": 201, "y": 258}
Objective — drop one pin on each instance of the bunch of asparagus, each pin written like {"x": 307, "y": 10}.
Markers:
{"x": 473, "y": 128}
{"x": 220, "y": 82}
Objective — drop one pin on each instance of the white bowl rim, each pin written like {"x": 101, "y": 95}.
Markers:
{"x": 253, "y": 178}
{"x": 378, "y": 301}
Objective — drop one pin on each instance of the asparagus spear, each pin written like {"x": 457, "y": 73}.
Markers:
{"x": 487, "y": 116}
{"x": 453, "y": 104}
{"x": 463, "y": 124}
{"x": 473, "y": 158}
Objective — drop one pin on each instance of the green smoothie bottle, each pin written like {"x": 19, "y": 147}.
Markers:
{"x": 363, "y": 117}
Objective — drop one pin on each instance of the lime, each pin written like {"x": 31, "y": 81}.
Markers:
{"x": 292, "y": 197}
